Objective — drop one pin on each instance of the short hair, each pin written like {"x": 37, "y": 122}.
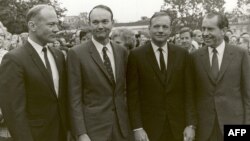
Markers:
{"x": 84, "y": 32}
{"x": 34, "y": 11}
{"x": 222, "y": 19}
{"x": 186, "y": 29}
{"x": 230, "y": 31}
{"x": 102, "y": 7}
{"x": 160, "y": 14}
{"x": 244, "y": 33}
{"x": 195, "y": 32}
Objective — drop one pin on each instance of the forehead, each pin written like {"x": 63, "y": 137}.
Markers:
{"x": 210, "y": 22}
{"x": 47, "y": 15}
{"x": 185, "y": 34}
{"x": 100, "y": 14}
{"x": 163, "y": 20}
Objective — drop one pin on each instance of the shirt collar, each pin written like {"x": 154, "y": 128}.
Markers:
{"x": 164, "y": 47}
{"x": 100, "y": 46}
{"x": 220, "y": 49}
{"x": 36, "y": 46}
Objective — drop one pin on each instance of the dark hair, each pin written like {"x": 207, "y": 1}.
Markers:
{"x": 34, "y": 11}
{"x": 160, "y": 14}
{"x": 186, "y": 29}
{"x": 84, "y": 32}
{"x": 222, "y": 19}
{"x": 102, "y": 7}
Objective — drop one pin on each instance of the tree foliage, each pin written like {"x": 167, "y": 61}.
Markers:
{"x": 13, "y": 13}
{"x": 190, "y": 12}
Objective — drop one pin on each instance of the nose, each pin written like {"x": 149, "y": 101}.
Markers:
{"x": 205, "y": 32}
{"x": 100, "y": 26}
{"x": 160, "y": 29}
{"x": 55, "y": 29}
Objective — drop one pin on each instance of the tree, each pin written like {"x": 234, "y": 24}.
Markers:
{"x": 13, "y": 13}
{"x": 192, "y": 11}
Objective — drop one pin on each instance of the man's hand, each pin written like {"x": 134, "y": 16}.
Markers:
{"x": 141, "y": 135}
{"x": 189, "y": 133}
{"x": 84, "y": 137}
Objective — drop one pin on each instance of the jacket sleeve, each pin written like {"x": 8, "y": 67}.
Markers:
{"x": 133, "y": 96}
{"x": 75, "y": 94}
{"x": 246, "y": 85}
{"x": 13, "y": 98}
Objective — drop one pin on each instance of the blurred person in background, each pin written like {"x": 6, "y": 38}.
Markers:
{"x": 24, "y": 36}
{"x": 124, "y": 37}
{"x": 177, "y": 39}
{"x": 186, "y": 39}
{"x": 85, "y": 35}
{"x": 233, "y": 40}
{"x": 197, "y": 36}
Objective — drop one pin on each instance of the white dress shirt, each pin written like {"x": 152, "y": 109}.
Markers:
{"x": 220, "y": 52}
{"x": 110, "y": 53}
{"x": 52, "y": 62}
{"x": 157, "y": 54}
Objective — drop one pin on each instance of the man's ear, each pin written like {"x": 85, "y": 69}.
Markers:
{"x": 32, "y": 25}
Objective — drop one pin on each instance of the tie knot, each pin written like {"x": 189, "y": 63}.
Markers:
{"x": 104, "y": 49}
{"x": 44, "y": 49}
{"x": 160, "y": 49}
{"x": 215, "y": 50}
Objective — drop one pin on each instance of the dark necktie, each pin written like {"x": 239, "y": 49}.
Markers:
{"x": 47, "y": 62}
{"x": 215, "y": 64}
{"x": 107, "y": 64}
{"x": 162, "y": 62}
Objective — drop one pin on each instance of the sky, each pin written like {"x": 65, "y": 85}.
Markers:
{"x": 123, "y": 10}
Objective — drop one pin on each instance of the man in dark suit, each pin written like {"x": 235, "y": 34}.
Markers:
{"x": 96, "y": 74}
{"x": 32, "y": 86}
{"x": 155, "y": 85}
{"x": 221, "y": 82}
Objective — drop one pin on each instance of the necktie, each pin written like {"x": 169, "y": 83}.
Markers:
{"x": 215, "y": 64}
{"x": 107, "y": 64}
{"x": 47, "y": 62}
{"x": 162, "y": 62}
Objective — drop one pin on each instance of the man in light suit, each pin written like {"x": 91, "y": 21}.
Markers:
{"x": 33, "y": 82}
{"x": 221, "y": 82}
{"x": 96, "y": 74}
{"x": 156, "y": 86}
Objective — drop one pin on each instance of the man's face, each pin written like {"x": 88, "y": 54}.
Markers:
{"x": 212, "y": 34}
{"x": 243, "y": 43}
{"x": 160, "y": 29}
{"x": 198, "y": 37}
{"x": 46, "y": 26}
{"x": 101, "y": 24}
{"x": 186, "y": 40}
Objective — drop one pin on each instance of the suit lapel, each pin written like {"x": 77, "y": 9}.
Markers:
{"x": 117, "y": 59}
{"x": 37, "y": 60}
{"x": 171, "y": 61}
{"x": 227, "y": 58}
{"x": 152, "y": 60}
{"x": 204, "y": 57}
{"x": 97, "y": 59}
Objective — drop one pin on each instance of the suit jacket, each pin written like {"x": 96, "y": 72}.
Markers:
{"x": 227, "y": 98}
{"x": 31, "y": 109}
{"x": 151, "y": 100}
{"x": 95, "y": 101}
